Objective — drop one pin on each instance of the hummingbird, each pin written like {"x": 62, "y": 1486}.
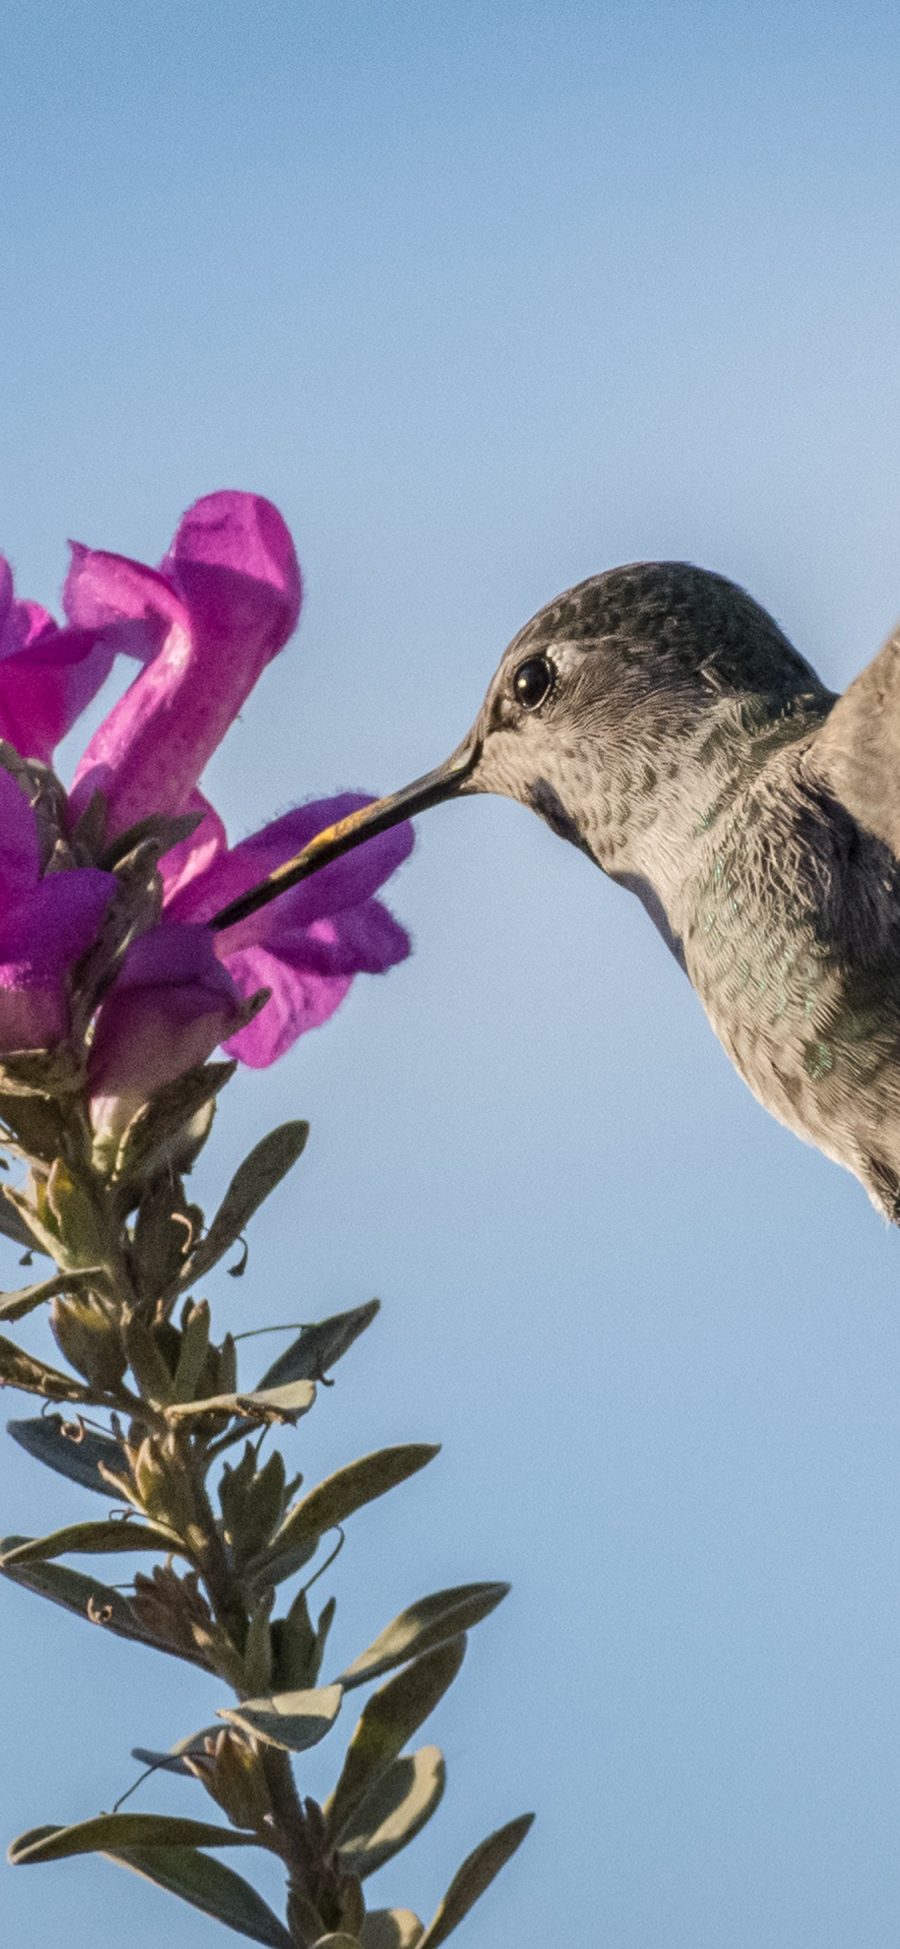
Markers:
{"x": 656, "y": 717}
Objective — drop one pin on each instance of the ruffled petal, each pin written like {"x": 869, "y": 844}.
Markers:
{"x": 345, "y": 883}
{"x": 231, "y": 598}
{"x": 298, "y": 1001}
{"x": 235, "y": 564}
{"x": 362, "y": 940}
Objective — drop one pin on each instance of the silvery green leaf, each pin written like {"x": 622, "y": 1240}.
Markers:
{"x": 15, "y": 1305}
{"x": 76, "y": 1454}
{"x": 110, "y": 1833}
{"x": 293, "y": 1720}
{"x": 95, "y": 1602}
{"x": 263, "y": 1404}
{"x": 318, "y": 1347}
{"x": 13, "y": 1225}
{"x": 22, "y": 1370}
{"x": 173, "y": 1760}
{"x": 333, "y": 1500}
{"x": 388, "y": 1719}
{"x": 267, "y": 1164}
{"x": 391, "y": 1928}
{"x": 475, "y": 1875}
{"x": 395, "y": 1811}
{"x": 210, "y": 1886}
{"x": 428, "y": 1623}
{"x": 92, "y": 1539}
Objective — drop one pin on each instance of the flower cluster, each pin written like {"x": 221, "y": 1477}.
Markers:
{"x": 203, "y": 627}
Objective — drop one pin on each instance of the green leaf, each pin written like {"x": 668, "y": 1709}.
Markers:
{"x": 13, "y": 1225}
{"x": 210, "y": 1886}
{"x": 157, "y": 1135}
{"x": 428, "y": 1623}
{"x": 339, "y": 1941}
{"x": 391, "y": 1928}
{"x": 319, "y": 1347}
{"x": 20, "y": 1369}
{"x": 396, "y": 1810}
{"x": 388, "y": 1719}
{"x": 109, "y": 1833}
{"x": 475, "y": 1875}
{"x": 93, "y": 1539}
{"x": 173, "y": 1760}
{"x": 93, "y": 1601}
{"x": 293, "y": 1720}
{"x": 15, "y": 1305}
{"x": 267, "y": 1164}
{"x": 264, "y": 1404}
{"x": 333, "y": 1500}
{"x": 77, "y": 1454}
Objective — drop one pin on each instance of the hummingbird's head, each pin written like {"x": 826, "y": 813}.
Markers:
{"x": 592, "y": 710}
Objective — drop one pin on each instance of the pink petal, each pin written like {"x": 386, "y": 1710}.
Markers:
{"x": 193, "y": 856}
{"x": 234, "y": 562}
{"x": 45, "y": 686}
{"x": 232, "y": 594}
{"x": 298, "y": 1001}
{"x": 19, "y": 852}
{"x": 50, "y": 929}
{"x": 167, "y": 1010}
{"x": 363, "y": 940}
{"x": 41, "y": 939}
{"x": 345, "y": 883}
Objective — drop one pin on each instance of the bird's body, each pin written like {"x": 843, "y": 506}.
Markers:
{"x": 656, "y": 717}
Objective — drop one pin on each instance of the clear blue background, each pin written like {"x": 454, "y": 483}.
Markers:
{"x": 487, "y": 299}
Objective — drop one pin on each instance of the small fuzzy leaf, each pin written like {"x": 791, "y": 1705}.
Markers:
{"x": 14, "y": 1306}
{"x": 210, "y": 1886}
{"x": 22, "y": 1370}
{"x": 391, "y": 1928}
{"x": 264, "y": 1404}
{"x": 70, "y": 1448}
{"x": 267, "y": 1164}
{"x": 173, "y": 1760}
{"x": 333, "y": 1500}
{"x": 396, "y": 1810}
{"x": 475, "y": 1875}
{"x": 319, "y": 1347}
{"x": 428, "y": 1623}
{"x": 110, "y": 1833}
{"x": 92, "y": 1539}
{"x": 293, "y": 1720}
{"x": 388, "y": 1719}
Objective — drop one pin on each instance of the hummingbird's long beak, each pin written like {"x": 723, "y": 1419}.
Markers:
{"x": 444, "y": 782}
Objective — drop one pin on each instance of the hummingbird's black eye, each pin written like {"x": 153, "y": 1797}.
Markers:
{"x": 533, "y": 682}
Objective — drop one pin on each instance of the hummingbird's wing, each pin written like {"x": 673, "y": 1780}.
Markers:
{"x": 856, "y": 754}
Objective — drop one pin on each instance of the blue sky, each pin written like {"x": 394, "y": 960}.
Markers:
{"x": 488, "y": 299}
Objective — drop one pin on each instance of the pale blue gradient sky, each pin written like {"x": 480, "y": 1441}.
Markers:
{"x": 489, "y": 298}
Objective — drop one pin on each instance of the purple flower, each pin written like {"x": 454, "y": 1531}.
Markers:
{"x": 47, "y": 675}
{"x": 306, "y": 946}
{"x": 222, "y": 604}
{"x": 46, "y": 924}
{"x": 169, "y": 1007}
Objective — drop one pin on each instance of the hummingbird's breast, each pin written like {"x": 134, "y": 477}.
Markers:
{"x": 789, "y": 918}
